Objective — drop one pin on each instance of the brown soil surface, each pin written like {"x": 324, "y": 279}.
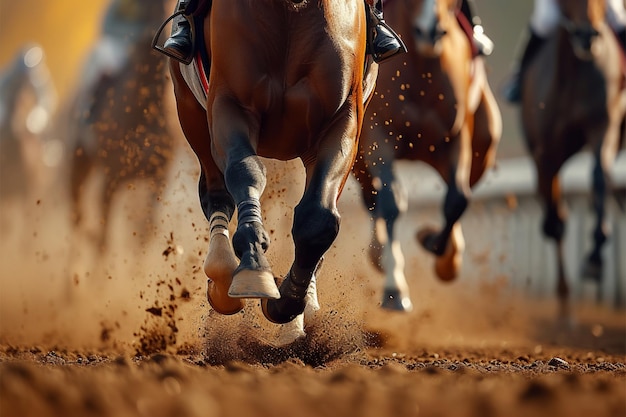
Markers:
{"x": 131, "y": 333}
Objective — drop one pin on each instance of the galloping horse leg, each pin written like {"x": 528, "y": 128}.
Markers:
{"x": 448, "y": 244}
{"x": 385, "y": 200}
{"x": 234, "y": 133}
{"x": 554, "y": 223}
{"x": 391, "y": 202}
{"x": 315, "y": 227}
{"x": 316, "y": 218}
{"x": 216, "y": 202}
{"x": 369, "y": 193}
{"x": 592, "y": 268}
{"x": 293, "y": 330}
{"x": 220, "y": 262}
{"x": 245, "y": 180}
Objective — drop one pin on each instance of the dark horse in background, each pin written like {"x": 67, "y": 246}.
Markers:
{"x": 573, "y": 96}
{"x": 434, "y": 105}
{"x": 288, "y": 83}
{"x": 27, "y": 103}
{"x": 118, "y": 118}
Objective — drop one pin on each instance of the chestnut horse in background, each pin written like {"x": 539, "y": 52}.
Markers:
{"x": 287, "y": 83}
{"x": 434, "y": 105}
{"x": 573, "y": 97}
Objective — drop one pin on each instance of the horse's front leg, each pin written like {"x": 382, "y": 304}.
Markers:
{"x": 549, "y": 188}
{"x": 391, "y": 202}
{"x": 220, "y": 261}
{"x": 216, "y": 202}
{"x": 245, "y": 177}
{"x": 316, "y": 218}
{"x": 592, "y": 267}
{"x": 448, "y": 244}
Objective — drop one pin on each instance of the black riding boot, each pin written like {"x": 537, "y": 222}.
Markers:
{"x": 483, "y": 42}
{"x": 383, "y": 42}
{"x": 180, "y": 44}
{"x": 513, "y": 90}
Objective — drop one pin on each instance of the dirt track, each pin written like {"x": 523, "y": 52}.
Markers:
{"x": 134, "y": 336}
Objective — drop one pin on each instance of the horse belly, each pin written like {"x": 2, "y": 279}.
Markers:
{"x": 292, "y": 129}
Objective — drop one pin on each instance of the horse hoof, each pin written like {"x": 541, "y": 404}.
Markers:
{"x": 392, "y": 300}
{"x": 445, "y": 270}
{"x": 221, "y": 302}
{"x": 253, "y": 284}
{"x": 282, "y": 311}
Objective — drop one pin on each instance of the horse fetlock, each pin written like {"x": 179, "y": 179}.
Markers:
{"x": 430, "y": 240}
{"x": 250, "y": 237}
{"x": 283, "y": 310}
{"x": 292, "y": 300}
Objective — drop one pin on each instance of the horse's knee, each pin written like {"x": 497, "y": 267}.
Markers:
{"x": 315, "y": 228}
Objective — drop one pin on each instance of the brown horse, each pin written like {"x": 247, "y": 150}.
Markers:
{"x": 286, "y": 81}
{"x": 573, "y": 97}
{"x": 118, "y": 117}
{"x": 433, "y": 105}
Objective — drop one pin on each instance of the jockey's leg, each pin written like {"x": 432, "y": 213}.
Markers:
{"x": 180, "y": 44}
{"x": 483, "y": 42}
{"x": 513, "y": 90}
{"x": 382, "y": 41}
{"x": 543, "y": 21}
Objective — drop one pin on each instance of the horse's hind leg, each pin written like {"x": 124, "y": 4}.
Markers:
{"x": 448, "y": 244}
{"x": 593, "y": 266}
{"x": 554, "y": 221}
{"x": 455, "y": 168}
{"x": 604, "y": 156}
